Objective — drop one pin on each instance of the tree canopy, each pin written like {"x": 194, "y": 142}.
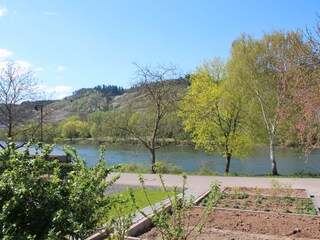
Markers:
{"x": 214, "y": 114}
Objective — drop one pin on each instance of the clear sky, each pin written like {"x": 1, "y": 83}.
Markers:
{"x": 84, "y": 43}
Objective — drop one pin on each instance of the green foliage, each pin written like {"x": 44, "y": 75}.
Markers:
{"x": 38, "y": 203}
{"x": 160, "y": 167}
{"x": 167, "y": 167}
{"x": 214, "y": 113}
{"x": 175, "y": 224}
{"x": 75, "y": 128}
{"x": 102, "y": 125}
{"x": 135, "y": 168}
{"x": 123, "y": 209}
{"x": 69, "y": 130}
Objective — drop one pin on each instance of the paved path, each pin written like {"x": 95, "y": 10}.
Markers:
{"x": 203, "y": 182}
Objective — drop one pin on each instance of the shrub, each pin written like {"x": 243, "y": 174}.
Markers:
{"x": 38, "y": 205}
{"x": 174, "y": 224}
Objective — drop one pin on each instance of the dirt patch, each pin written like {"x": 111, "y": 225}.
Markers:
{"x": 267, "y": 200}
{"x": 237, "y": 224}
{"x": 241, "y": 224}
{"x": 280, "y": 192}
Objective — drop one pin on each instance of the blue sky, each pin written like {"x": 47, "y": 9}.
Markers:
{"x": 75, "y": 44}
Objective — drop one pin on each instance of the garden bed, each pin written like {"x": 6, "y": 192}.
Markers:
{"x": 252, "y": 213}
{"x": 267, "y": 200}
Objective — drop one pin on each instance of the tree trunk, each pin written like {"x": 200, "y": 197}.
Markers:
{"x": 153, "y": 160}
{"x": 274, "y": 169}
{"x": 226, "y": 171}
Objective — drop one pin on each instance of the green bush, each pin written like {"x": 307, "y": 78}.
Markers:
{"x": 161, "y": 167}
{"x": 36, "y": 203}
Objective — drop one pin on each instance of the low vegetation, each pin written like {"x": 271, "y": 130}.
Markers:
{"x": 127, "y": 204}
{"x": 279, "y": 198}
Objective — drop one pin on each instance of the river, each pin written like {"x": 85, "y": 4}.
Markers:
{"x": 289, "y": 161}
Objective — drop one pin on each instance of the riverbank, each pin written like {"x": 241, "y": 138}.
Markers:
{"x": 197, "y": 161}
{"x": 124, "y": 141}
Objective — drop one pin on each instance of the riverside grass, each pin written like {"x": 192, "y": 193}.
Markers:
{"x": 169, "y": 168}
{"x": 127, "y": 204}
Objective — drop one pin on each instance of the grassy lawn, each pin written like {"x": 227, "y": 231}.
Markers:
{"x": 127, "y": 205}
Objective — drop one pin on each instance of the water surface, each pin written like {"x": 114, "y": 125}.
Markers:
{"x": 289, "y": 160}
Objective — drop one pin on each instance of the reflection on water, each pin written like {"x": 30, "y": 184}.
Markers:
{"x": 289, "y": 160}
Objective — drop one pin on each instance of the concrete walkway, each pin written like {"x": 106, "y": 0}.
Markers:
{"x": 203, "y": 182}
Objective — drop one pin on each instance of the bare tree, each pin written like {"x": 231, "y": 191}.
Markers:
{"x": 145, "y": 119}
{"x": 16, "y": 86}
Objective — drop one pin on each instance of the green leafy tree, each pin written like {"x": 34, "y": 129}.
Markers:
{"x": 69, "y": 130}
{"x": 102, "y": 125}
{"x": 260, "y": 65}
{"x": 214, "y": 113}
{"x": 82, "y": 129}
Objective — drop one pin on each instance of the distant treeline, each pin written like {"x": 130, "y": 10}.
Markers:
{"x": 106, "y": 90}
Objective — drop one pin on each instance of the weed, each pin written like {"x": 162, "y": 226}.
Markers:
{"x": 259, "y": 200}
{"x": 288, "y": 200}
{"x": 305, "y": 206}
{"x": 257, "y": 192}
{"x": 235, "y": 190}
{"x": 242, "y": 195}
{"x": 177, "y": 224}
{"x": 280, "y": 188}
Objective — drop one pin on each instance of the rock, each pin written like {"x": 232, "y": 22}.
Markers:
{"x": 296, "y": 230}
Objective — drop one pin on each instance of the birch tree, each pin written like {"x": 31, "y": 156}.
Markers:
{"x": 261, "y": 65}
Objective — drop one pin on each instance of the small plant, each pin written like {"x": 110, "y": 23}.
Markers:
{"x": 275, "y": 187}
{"x": 288, "y": 200}
{"x": 287, "y": 188}
{"x": 281, "y": 188}
{"x": 235, "y": 190}
{"x": 257, "y": 192}
{"x": 242, "y": 195}
{"x": 305, "y": 206}
{"x": 176, "y": 225}
{"x": 121, "y": 222}
{"x": 259, "y": 200}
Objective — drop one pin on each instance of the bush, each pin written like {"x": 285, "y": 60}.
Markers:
{"x": 160, "y": 166}
{"x": 38, "y": 205}
{"x": 167, "y": 167}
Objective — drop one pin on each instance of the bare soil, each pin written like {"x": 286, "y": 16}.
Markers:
{"x": 267, "y": 200}
{"x": 226, "y": 223}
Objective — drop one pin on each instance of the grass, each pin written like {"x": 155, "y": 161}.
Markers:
{"x": 169, "y": 168}
{"x": 126, "y": 206}
{"x": 162, "y": 167}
